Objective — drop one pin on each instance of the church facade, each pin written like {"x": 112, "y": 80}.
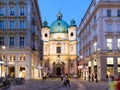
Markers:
{"x": 59, "y": 47}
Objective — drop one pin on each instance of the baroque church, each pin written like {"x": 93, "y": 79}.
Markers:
{"x": 59, "y": 47}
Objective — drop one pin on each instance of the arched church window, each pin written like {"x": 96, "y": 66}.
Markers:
{"x": 46, "y": 35}
{"x": 71, "y": 34}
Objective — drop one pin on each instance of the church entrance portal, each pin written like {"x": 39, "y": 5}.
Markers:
{"x": 58, "y": 69}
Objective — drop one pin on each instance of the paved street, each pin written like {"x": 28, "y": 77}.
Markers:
{"x": 56, "y": 84}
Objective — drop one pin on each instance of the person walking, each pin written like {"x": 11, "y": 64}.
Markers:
{"x": 118, "y": 83}
{"x": 112, "y": 84}
{"x": 96, "y": 77}
{"x": 64, "y": 81}
{"x": 92, "y": 77}
{"x": 89, "y": 77}
{"x": 68, "y": 80}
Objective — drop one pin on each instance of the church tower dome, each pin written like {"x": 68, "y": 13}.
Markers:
{"x": 59, "y": 25}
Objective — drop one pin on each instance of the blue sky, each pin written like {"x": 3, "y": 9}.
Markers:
{"x": 69, "y": 8}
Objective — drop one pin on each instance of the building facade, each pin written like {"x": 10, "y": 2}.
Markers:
{"x": 59, "y": 42}
{"x": 99, "y": 39}
{"x": 20, "y": 38}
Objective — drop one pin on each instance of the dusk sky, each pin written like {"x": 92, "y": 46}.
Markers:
{"x": 69, "y": 8}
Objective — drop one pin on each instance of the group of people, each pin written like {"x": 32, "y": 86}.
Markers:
{"x": 114, "y": 84}
{"x": 92, "y": 76}
{"x": 66, "y": 80}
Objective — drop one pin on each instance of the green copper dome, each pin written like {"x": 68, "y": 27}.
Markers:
{"x": 59, "y": 25}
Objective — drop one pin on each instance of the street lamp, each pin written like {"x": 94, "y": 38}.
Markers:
{"x": 1, "y": 63}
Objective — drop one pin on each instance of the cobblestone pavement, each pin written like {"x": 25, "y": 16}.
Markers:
{"x": 56, "y": 84}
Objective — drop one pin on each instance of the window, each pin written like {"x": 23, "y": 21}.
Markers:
{"x": 12, "y": 11}
{"x": 71, "y": 34}
{"x": 22, "y": 57}
{"x": 108, "y": 13}
{"x": 12, "y": 58}
{"x": 109, "y": 44}
{"x": 58, "y": 49}
{"x": 118, "y": 13}
{"x": 12, "y": 24}
{"x": 1, "y": 24}
{"x": 22, "y": 24}
{"x": 95, "y": 46}
{"x": 11, "y": 41}
{"x": 109, "y": 27}
{"x": 2, "y": 10}
{"x": 118, "y": 61}
{"x": 22, "y": 11}
{"x": 118, "y": 27}
{"x": 1, "y": 41}
{"x": 110, "y": 61}
{"x": 46, "y": 35}
{"x": 95, "y": 19}
{"x": 118, "y": 43}
{"x": 21, "y": 41}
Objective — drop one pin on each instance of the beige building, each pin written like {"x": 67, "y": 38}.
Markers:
{"x": 99, "y": 39}
{"x": 20, "y": 41}
{"x": 59, "y": 42}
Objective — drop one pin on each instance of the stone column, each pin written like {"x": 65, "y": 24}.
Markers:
{"x": 103, "y": 68}
{"x": 115, "y": 67}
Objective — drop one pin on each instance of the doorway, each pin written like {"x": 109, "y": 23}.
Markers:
{"x": 12, "y": 71}
{"x": 58, "y": 71}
